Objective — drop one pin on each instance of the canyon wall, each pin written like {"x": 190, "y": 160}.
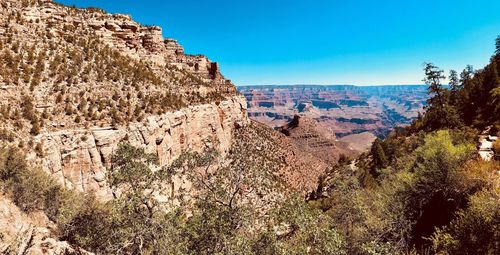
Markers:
{"x": 77, "y": 158}
{"x": 344, "y": 109}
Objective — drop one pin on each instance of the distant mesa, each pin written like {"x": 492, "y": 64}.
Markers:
{"x": 343, "y": 109}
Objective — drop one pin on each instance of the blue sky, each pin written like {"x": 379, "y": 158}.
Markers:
{"x": 358, "y": 42}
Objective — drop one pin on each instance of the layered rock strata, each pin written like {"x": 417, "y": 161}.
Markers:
{"x": 78, "y": 157}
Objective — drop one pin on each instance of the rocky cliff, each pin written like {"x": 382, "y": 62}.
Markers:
{"x": 84, "y": 80}
{"x": 78, "y": 157}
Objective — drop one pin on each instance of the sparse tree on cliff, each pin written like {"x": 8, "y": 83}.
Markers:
{"x": 140, "y": 226}
{"x": 433, "y": 77}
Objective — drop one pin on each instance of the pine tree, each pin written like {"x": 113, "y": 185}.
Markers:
{"x": 466, "y": 75}
{"x": 493, "y": 109}
{"x": 497, "y": 46}
{"x": 433, "y": 77}
{"x": 455, "y": 87}
{"x": 378, "y": 154}
{"x": 439, "y": 113}
{"x": 454, "y": 81}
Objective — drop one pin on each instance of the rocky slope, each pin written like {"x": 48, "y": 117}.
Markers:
{"x": 311, "y": 137}
{"x": 299, "y": 169}
{"x": 28, "y": 234}
{"x": 86, "y": 67}
{"x": 82, "y": 81}
{"x": 85, "y": 80}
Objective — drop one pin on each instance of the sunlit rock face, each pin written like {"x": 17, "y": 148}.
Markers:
{"x": 78, "y": 157}
{"x": 171, "y": 103}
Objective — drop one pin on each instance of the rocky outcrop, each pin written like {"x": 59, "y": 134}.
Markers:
{"x": 297, "y": 168}
{"x": 78, "y": 158}
{"x": 22, "y": 234}
{"x": 122, "y": 33}
{"x": 312, "y": 137}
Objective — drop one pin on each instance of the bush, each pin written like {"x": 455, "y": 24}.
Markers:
{"x": 475, "y": 230}
{"x": 31, "y": 189}
{"x": 35, "y": 127}
{"x": 11, "y": 164}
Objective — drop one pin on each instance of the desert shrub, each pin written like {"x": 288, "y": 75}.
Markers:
{"x": 87, "y": 224}
{"x": 306, "y": 230}
{"x": 35, "y": 126}
{"x": 475, "y": 230}
{"x": 6, "y": 135}
{"x": 12, "y": 163}
{"x": 30, "y": 189}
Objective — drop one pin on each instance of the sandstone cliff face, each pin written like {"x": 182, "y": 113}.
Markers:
{"x": 84, "y": 80}
{"x": 78, "y": 157}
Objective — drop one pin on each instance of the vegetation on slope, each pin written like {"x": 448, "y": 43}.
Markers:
{"x": 239, "y": 206}
{"x": 422, "y": 190}
{"x": 64, "y": 73}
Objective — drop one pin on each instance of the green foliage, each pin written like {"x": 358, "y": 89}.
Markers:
{"x": 305, "y": 230}
{"x": 497, "y": 45}
{"x": 475, "y": 230}
{"x": 427, "y": 179}
{"x": 471, "y": 100}
{"x": 378, "y": 154}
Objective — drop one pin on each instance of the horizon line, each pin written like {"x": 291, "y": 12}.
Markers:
{"x": 311, "y": 84}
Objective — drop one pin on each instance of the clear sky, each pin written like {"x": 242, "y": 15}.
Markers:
{"x": 359, "y": 42}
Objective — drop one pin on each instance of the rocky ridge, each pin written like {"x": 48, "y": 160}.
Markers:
{"x": 88, "y": 80}
{"x": 311, "y": 137}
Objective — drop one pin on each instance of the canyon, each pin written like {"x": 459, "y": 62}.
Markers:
{"x": 353, "y": 116}
{"x": 84, "y": 81}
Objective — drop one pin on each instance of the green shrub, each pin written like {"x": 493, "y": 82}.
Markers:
{"x": 30, "y": 189}
{"x": 475, "y": 230}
